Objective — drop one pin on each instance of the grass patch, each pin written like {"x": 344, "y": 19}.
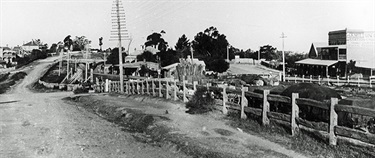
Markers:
{"x": 305, "y": 142}
{"x": 6, "y": 82}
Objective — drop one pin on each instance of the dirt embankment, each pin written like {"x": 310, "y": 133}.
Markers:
{"x": 157, "y": 122}
{"x": 7, "y": 80}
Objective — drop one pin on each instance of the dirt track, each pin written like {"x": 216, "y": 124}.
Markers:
{"x": 43, "y": 125}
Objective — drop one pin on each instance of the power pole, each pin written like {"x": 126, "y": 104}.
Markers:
{"x": 228, "y": 53}
{"x": 283, "y": 37}
{"x": 119, "y": 34}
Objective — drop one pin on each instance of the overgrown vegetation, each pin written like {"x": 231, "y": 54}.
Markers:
{"x": 6, "y": 82}
{"x": 201, "y": 102}
{"x": 52, "y": 75}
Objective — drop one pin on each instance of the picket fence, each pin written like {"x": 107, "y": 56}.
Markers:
{"x": 338, "y": 81}
{"x": 171, "y": 89}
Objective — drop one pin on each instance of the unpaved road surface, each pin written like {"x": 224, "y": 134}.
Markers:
{"x": 43, "y": 125}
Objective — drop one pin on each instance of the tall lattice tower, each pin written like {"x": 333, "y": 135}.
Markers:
{"x": 119, "y": 33}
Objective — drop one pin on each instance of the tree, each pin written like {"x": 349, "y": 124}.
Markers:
{"x": 113, "y": 57}
{"x": 268, "y": 52}
{"x": 168, "y": 57}
{"x": 183, "y": 46}
{"x": 68, "y": 42}
{"x": 217, "y": 65}
{"x": 210, "y": 46}
{"x": 79, "y": 43}
{"x": 53, "y": 48}
{"x": 157, "y": 41}
{"x": 100, "y": 43}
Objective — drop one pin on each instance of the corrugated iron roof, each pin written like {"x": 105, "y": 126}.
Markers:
{"x": 317, "y": 62}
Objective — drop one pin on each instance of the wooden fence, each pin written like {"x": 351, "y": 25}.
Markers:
{"x": 257, "y": 104}
{"x": 338, "y": 81}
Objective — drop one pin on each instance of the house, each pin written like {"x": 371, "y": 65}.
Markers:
{"x": 9, "y": 56}
{"x": 343, "y": 47}
{"x": 30, "y": 46}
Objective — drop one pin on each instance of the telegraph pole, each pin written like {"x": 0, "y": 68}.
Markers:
{"x": 283, "y": 36}
{"x": 119, "y": 34}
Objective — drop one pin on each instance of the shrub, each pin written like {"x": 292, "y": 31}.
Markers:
{"x": 17, "y": 76}
{"x": 80, "y": 89}
{"x": 4, "y": 77}
{"x": 201, "y": 102}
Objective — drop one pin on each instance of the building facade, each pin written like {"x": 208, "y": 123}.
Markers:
{"x": 343, "y": 47}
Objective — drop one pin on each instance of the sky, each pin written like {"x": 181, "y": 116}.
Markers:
{"x": 247, "y": 24}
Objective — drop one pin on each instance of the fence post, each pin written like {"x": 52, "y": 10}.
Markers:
{"x": 138, "y": 88}
{"x": 358, "y": 82}
{"x": 243, "y": 102}
{"x": 142, "y": 87}
{"x": 370, "y": 82}
{"x": 175, "y": 89}
{"x": 338, "y": 80}
{"x": 328, "y": 79}
{"x": 184, "y": 91}
{"x": 310, "y": 78}
{"x": 160, "y": 87}
{"x": 319, "y": 79}
{"x": 133, "y": 88}
{"x": 295, "y": 78}
{"x": 106, "y": 88}
{"x": 153, "y": 88}
{"x": 303, "y": 78}
{"x": 295, "y": 114}
{"x": 147, "y": 87}
{"x": 166, "y": 89}
{"x": 225, "y": 99}
{"x": 126, "y": 87}
{"x": 266, "y": 108}
{"x": 348, "y": 80}
{"x": 92, "y": 75}
{"x": 332, "y": 122}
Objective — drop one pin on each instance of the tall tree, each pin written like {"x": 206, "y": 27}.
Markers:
{"x": 156, "y": 40}
{"x": 268, "y": 52}
{"x": 168, "y": 57}
{"x": 210, "y": 45}
{"x": 68, "y": 42}
{"x": 183, "y": 46}
{"x": 113, "y": 57}
{"x": 80, "y": 42}
{"x": 53, "y": 48}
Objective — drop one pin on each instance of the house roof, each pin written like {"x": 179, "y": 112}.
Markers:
{"x": 170, "y": 66}
{"x": 151, "y": 65}
{"x": 317, "y": 62}
{"x": 31, "y": 43}
{"x": 6, "y": 48}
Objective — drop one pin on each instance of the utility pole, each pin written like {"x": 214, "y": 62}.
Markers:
{"x": 228, "y": 53}
{"x": 119, "y": 34}
{"x": 283, "y": 36}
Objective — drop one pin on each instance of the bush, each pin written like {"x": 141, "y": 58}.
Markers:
{"x": 80, "y": 89}
{"x": 201, "y": 102}
{"x": 4, "y": 77}
{"x": 17, "y": 76}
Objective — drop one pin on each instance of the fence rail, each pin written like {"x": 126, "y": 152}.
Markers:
{"x": 260, "y": 106}
{"x": 338, "y": 81}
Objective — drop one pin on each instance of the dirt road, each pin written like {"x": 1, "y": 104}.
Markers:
{"x": 42, "y": 125}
